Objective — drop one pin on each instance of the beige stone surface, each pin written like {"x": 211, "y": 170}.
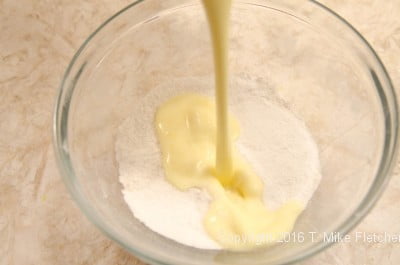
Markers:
{"x": 39, "y": 222}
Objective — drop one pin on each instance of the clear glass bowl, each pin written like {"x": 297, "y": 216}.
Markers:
{"x": 311, "y": 61}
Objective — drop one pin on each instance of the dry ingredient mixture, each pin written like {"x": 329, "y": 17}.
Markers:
{"x": 276, "y": 143}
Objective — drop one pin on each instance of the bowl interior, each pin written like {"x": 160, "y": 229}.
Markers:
{"x": 309, "y": 61}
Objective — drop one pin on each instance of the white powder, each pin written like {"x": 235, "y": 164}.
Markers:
{"x": 274, "y": 141}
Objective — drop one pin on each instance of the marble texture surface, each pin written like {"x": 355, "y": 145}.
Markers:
{"x": 39, "y": 222}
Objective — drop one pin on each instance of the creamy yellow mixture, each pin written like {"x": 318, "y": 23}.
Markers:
{"x": 196, "y": 137}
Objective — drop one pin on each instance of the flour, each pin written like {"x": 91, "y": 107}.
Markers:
{"x": 275, "y": 142}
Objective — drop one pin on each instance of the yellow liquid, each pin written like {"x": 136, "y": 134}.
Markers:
{"x": 196, "y": 136}
{"x": 218, "y": 16}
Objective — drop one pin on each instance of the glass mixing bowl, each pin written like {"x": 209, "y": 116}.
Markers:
{"x": 312, "y": 62}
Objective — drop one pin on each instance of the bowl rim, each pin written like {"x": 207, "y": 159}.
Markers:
{"x": 381, "y": 179}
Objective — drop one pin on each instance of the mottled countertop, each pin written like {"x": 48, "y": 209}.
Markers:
{"x": 39, "y": 222}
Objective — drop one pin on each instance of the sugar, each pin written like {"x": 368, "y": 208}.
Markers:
{"x": 276, "y": 143}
